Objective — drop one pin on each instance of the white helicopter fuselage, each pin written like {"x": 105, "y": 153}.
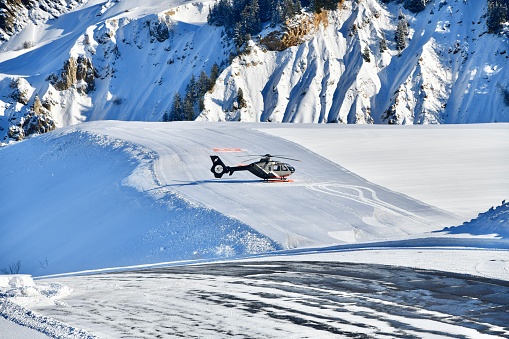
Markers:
{"x": 273, "y": 169}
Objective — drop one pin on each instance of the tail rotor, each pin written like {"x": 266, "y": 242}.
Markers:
{"x": 218, "y": 167}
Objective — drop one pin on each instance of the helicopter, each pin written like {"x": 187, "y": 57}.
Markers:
{"x": 265, "y": 168}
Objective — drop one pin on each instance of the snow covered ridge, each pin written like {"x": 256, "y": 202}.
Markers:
{"x": 495, "y": 221}
{"x": 16, "y": 15}
{"x": 111, "y": 194}
{"x": 134, "y": 58}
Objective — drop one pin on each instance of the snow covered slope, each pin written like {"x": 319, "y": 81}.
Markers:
{"x": 451, "y": 72}
{"x": 124, "y": 60}
{"x": 458, "y": 168}
{"x": 107, "y": 194}
{"x": 84, "y": 200}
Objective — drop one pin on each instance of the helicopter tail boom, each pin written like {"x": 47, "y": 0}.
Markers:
{"x": 219, "y": 168}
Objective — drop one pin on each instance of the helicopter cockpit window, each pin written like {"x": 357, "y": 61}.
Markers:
{"x": 276, "y": 168}
{"x": 284, "y": 168}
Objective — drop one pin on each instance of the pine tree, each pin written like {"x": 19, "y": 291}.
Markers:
{"x": 203, "y": 83}
{"x": 265, "y": 10}
{"x": 276, "y": 13}
{"x": 383, "y": 42}
{"x": 416, "y": 6}
{"x": 203, "y": 86}
{"x": 188, "y": 107}
{"x": 239, "y": 35}
{"x": 253, "y": 21}
{"x": 176, "y": 112}
{"x": 401, "y": 34}
{"x": 498, "y": 13}
{"x": 220, "y": 14}
{"x": 190, "y": 99}
{"x": 288, "y": 9}
{"x": 214, "y": 74}
{"x": 319, "y": 5}
{"x": 365, "y": 54}
{"x": 298, "y": 7}
{"x": 192, "y": 89}
{"x": 241, "y": 102}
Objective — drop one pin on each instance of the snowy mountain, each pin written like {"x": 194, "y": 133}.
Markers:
{"x": 369, "y": 237}
{"x": 96, "y": 60}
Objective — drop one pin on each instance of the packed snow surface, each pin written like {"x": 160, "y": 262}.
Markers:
{"x": 299, "y": 298}
{"x": 458, "y": 168}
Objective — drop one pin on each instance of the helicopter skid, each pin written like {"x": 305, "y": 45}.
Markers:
{"x": 277, "y": 180}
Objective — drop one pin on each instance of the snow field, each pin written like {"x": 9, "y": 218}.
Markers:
{"x": 458, "y": 168}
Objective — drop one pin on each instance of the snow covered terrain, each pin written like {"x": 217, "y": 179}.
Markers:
{"x": 88, "y": 61}
{"x": 101, "y": 195}
{"x": 449, "y": 73}
{"x": 112, "y": 225}
{"x": 110, "y": 194}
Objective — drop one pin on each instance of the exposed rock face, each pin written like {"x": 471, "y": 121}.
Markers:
{"x": 12, "y": 15}
{"x": 38, "y": 120}
{"x": 20, "y": 90}
{"x": 159, "y": 31}
{"x": 79, "y": 73}
{"x": 295, "y": 32}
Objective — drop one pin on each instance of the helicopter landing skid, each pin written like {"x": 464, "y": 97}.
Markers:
{"x": 277, "y": 180}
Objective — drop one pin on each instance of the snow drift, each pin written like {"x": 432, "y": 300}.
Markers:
{"x": 495, "y": 221}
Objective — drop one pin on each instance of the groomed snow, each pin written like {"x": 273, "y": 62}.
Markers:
{"x": 458, "y": 168}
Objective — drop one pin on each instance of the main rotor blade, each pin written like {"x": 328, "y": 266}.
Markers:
{"x": 283, "y": 157}
{"x": 266, "y": 156}
{"x": 250, "y": 159}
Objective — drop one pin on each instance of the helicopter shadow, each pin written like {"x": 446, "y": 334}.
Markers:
{"x": 182, "y": 183}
